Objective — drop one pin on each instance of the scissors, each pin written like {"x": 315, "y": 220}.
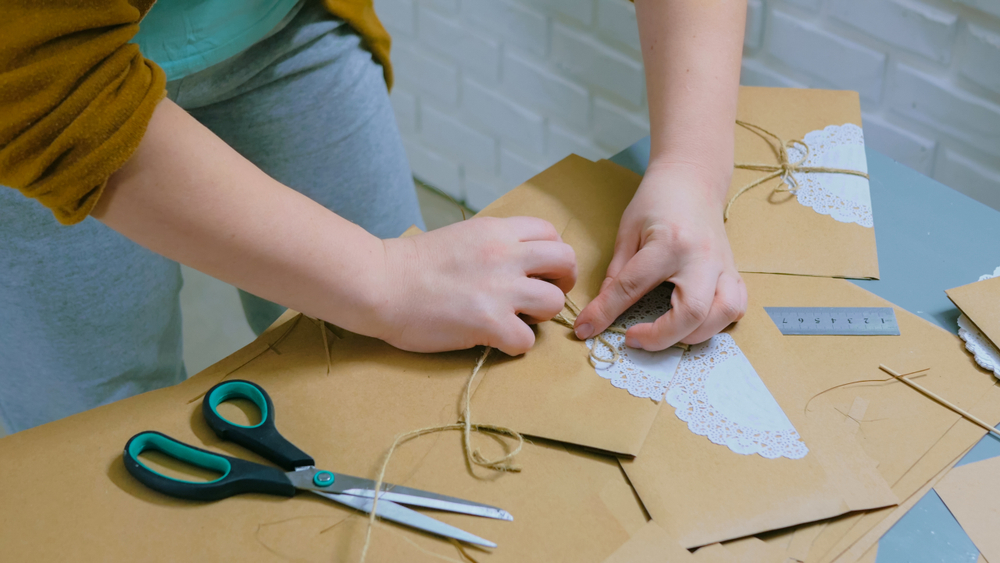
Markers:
{"x": 263, "y": 438}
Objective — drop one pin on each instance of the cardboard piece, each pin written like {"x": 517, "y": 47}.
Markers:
{"x": 911, "y": 437}
{"x": 704, "y": 493}
{"x": 650, "y": 544}
{"x": 772, "y": 232}
{"x": 553, "y": 391}
{"x": 972, "y": 494}
{"x": 73, "y": 494}
{"x": 980, "y": 301}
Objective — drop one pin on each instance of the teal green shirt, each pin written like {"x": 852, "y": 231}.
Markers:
{"x": 186, "y": 36}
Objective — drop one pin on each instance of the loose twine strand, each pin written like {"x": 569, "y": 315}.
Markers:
{"x": 473, "y": 456}
{"x": 784, "y": 168}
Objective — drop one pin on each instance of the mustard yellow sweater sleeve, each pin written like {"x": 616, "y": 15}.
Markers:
{"x": 75, "y": 98}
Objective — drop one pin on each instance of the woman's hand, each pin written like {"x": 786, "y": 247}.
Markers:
{"x": 481, "y": 281}
{"x": 672, "y": 231}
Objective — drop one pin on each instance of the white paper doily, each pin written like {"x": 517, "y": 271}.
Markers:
{"x": 986, "y": 353}
{"x": 720, "y": 396}
{"x": 641, "y": 373}
{"x": 845, "y": 197}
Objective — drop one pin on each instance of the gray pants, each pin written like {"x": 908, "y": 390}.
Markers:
{"x": 89, "y": 317}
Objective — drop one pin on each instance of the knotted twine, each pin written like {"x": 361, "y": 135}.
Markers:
{"x": 784, "y": 168}
{"x": 473, "y": 456}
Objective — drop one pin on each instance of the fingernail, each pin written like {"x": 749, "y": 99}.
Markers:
{"x": 584, "y": 331}
{"x": 632, "y": 342}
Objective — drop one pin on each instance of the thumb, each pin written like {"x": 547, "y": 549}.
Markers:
{"x": 636, "y": 278}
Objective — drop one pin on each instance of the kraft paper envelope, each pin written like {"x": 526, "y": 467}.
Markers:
{"x": 972, "y": 494}
{"x": 807, "y": 233}
{"x": 980, "y": 302}
{"x": 703, "y": 492}
{"x": 553, "y": 391}
{"x": 66, "y": 492}
{"x": 651, "y": 545}
{"x": 911, "y": 437}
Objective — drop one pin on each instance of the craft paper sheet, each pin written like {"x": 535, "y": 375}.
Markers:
{"x": 979, "y": 323}
{"x": 972, "y": 494}
{"x": 567, "y": 504}
{"x": 911, "y": 437}
{"x": 824, "y": 226}
{"x": 553, "y": 391}
{"x": 733, "y": 453}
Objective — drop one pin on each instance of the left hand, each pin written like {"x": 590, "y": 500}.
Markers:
{"x": 672, "y": 231}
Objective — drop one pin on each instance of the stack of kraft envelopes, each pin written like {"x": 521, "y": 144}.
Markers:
{"x": 752, "y": 446}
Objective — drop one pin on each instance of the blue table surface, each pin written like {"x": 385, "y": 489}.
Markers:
{"x": 930, "y": 238}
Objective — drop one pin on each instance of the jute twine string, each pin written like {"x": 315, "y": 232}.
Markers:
{"x": 784, "y": 168}
{"x": 472, "y": 456}
{"x": 568, "y": 319}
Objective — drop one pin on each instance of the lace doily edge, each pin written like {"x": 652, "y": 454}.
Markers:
{"x": 982, "y": 360}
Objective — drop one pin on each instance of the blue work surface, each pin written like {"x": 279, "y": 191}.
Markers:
{"x": 930, "y": 238}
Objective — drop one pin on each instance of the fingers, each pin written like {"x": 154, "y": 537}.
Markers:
{"x": 532, "y": 228}
{"x": 692, "y": 299}
{"x": 539, "y": 301}
{"x": 640, "y": 274}
{"x": 728, "y": 307}
{"x": 513, "y": 337}
{"x": 552, "y": 261}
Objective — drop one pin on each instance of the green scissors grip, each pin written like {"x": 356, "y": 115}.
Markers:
{"x": 238, "y": 475}
{"x": 262, "y": 438}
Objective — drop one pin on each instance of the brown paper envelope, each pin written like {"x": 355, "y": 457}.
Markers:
{"x": 772, "y": 232}
{"x": 753, "y": 550}
{"x": 900, "y": 424}
{"x": 704, "y": 493}
{"x": 980, "y": 302}
{"x": 650, "y": 544}
{"x": 75, "y": 497}
{"x": 553, "y": 391}
{"x": 972, "y": 494}
{"x": 715, "y": 553}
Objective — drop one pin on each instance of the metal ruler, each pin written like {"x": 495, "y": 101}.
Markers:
{"x": 835, "y": 320}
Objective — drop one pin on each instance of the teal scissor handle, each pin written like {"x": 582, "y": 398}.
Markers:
{"x": 238, "y": 475}
{"x": 262, "y": 438}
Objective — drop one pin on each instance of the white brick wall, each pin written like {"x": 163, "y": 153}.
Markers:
{"x": 490, "y": 92}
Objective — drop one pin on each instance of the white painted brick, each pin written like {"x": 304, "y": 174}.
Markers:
{"x": 579, "y": 10}
{"x": 753, "y": 34}
{"x": 981, "y": 60}
{"x": 398, "y": 16}
{"x": 545, "y": 91}
{"x": 597, "y": 64}
{"x": 520, "y": 26}
{"x": 615, "y": 128}
{"x": 481, "y": 190}
{"x": 920, "y": 28}
{"x": 971, "y": 178}
{"x": 449, "y": 135}
{"x": 516, "y": 169}
{"x": 429, "y": 74}
{"x": 831, "y": 59}
{"x": 434, "y": 169}
{"x": 563, "y": 142}
{"x": 899, "y": 144}
{"x": 404, "y": 105}
{"x": 616, "y": 20}
{"x": 444, "y": 6}
{"x": 756, "y": 73}
{"x": 988, "y": 6}
{"x": 943, "y": 105}
{"x": 513, "y": 123}
{"x": 475, "y": 53}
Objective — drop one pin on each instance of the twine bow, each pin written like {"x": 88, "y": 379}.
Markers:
{"x": 784, "y": 168}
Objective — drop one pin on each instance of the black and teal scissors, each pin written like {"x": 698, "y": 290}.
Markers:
{"x": 242, "y": 476}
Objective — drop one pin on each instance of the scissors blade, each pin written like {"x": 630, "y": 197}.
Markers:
{"x": 416, "y": 497}
{"x": 393, "y": 512}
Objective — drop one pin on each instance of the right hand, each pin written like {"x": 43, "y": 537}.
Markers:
{"x": 478, "y": 282}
